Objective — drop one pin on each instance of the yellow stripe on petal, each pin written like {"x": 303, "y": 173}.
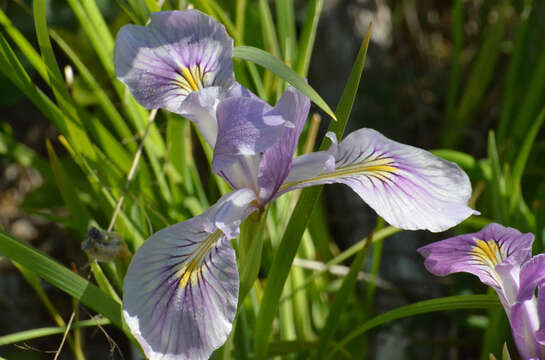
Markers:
{"x": 381, "y": 169}
{"x": 487, "y": 252}
{"x": 191, "y": 269}
{"x": 190, "y": 79}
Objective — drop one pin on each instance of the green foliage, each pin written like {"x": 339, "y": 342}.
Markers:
{"x": 103, "y": 134}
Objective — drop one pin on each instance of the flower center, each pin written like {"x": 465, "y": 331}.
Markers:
{"x": 380, "y": 168}
{"x": 488, "y": 252}
{"x": 192, "y": 268}
{"x": 191, "y": 79}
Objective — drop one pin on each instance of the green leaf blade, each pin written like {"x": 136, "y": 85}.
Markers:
{"x": 275, "y": 65}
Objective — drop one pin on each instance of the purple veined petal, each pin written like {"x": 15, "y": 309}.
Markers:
{"x": 310, "y": 165}
{"x": 540, "y": 335}
{"x": 229, "y": 211}
{"x": 245, "y": 127}
{"x": 239, "y": 90}
{"x": 178, "y": 53}
{"x": 242, "y": 173}
{"x": 201, "y": 106}
{"x": 181, "y": 289}
{"x": 479, "y": 254}
{"x": 276, "y": 161}
{"x": 532, "y": 273}
{"x": 409, "y": 187}
{"x": 524, "y": 325}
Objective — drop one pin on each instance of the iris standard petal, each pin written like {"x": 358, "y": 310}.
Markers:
{"x": 276, "y": 161}
{"x": 246, "y": 126}
{"x": 540, "y": 335}
{"x": 532, "y": 273}
{"x": 478, "y": 253}
{"x": 178, "y": 53}
{"x": 181, "y": 290}
{"x": 201, "y": 108}
{"x": 409, "y": 187}
{"x": 524, "y": 325}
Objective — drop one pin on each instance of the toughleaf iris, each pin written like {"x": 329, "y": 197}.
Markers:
{"x": 502, "y": 258}
{"x": 181, "y": 290}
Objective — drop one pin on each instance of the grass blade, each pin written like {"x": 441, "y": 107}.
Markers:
{"x": 308, "y": 35}
{"x": 341, "y": 299}
{"x": 76, "y": 132}
{"x": 286, "y": 29}
{"x": 48, "y": 331}
{"x": 272, "y": 63}
{"x": 61, "y": 277}
{"x": 78, "y": 212}
{"x": 422, "y": 307}
{"x": 292, "y": 236}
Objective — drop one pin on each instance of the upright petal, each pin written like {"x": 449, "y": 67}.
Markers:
{"x": 201, "y": 108}
{"x": 541, "y": 313}
{"x": 178, "y": 53}
{"x": 532, "y": 274}
{"x": 246, "y": 126}
{"x": 181, "y": 290}
{"x": 276, "y": 161}
{"x": 478, "y": 253}
{"x": 409, "y": 187}
{"x": 524, "y": 325}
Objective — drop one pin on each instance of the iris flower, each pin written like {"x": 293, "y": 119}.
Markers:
{"x": 182, "y": 62}
{"x": 501, "y": 258}
{"x": 181, "y": 290}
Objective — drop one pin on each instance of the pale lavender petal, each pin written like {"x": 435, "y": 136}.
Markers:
{"x": 310, "y": 165}
{"x": 409, "y": 187}
{"x": 242, "y": 173}
{"x": 200, "y": 107}
{"x": 532, "y": 273}
{"x": 178, "y": 53}
{"x": 239, "y": 90}
{"x": 478, "y": 253}
{"x": 540, "y": 335}
{"x": 276, "y": 161}
{"x": 524, "y": 324}
{"x": 245, "y": 127}
{"x": 181, "y": 289}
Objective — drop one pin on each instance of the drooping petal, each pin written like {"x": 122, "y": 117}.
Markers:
{"x": 409, "y": 187}
{"x": 478, "y": 253}
{"x": 181, "y": 289}
{"x": 532, "y": 273}
{"x": 178, "y": 53}
{"x": 276, "y": 160}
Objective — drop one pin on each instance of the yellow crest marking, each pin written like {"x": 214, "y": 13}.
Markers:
{"x": 193, "y": 264}
{"x": 382, "y": 169}
{"x": 488, "y": 252}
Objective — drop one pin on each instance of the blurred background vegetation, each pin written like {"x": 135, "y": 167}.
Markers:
{"x": 462, "y": 75}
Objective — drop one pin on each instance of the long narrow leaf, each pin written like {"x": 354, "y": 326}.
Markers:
{"x": 308, "y": 35}
{"x": 76, "y": 132}
{"x": 422, "y": 307}
{"x": 61, "y": 277}
{"x": 341, "y": 299}
{"x": 292, "y": 236}
{"x": 48, "y": 331}
{"x": 274, "y": 64}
